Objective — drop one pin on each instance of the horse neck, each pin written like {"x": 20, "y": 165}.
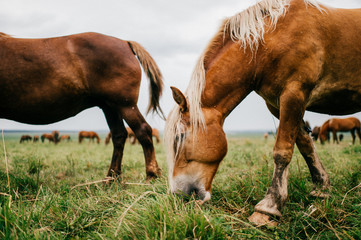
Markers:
{"x": 229, "y": 79}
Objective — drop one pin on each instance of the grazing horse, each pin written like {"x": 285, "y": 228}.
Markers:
{"x": 53, "y": 137}
{"x": 25, "y": 138}
{"x": 91, "y": 135}
{"x": 335, "y": 125}
{"x": 132, "y": 138}
{"x": 47, "y": 80}
{"x": 155, "y": 133}
{"x": 36, "y": 138}
{"x": 297, "y": 55}
{"x": 65, "y": 137}
{"x": 48, "y": 136}
{"x": 315, "y": 132}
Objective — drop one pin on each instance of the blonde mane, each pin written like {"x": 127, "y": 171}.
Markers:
{"x": 4, "y": 35}
{"x": 246, "y": 28}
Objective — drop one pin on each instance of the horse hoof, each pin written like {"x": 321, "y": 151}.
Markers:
{"x": 319, "y": 194}
{"x": 260, "y": 219}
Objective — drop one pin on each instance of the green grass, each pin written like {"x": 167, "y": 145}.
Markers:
{"x": 54, "y": 194}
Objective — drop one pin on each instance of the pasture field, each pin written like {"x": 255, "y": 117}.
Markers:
{"x": 51, "y": 192}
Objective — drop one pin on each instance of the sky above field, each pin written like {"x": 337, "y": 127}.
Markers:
{"x": 174, "y": 32}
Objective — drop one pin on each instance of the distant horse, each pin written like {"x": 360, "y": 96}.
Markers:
{"x": 36, "y": 138}
{"x": 48, "y": 136}
{"x": 107, "y": 138}
{"x": 25, "y": 138}
{"x": 132, "y": 137}
{"x": 65, "y": 138}
{"x": 62, "y": 76}
{"x": 53, "y": 137}
{"x": 91, "y": 135}
{"x": 155, "y": 133}
{"x": 297, "y": 55}
{"x": 335, "y": 125}
{"x": 315, "y": 132}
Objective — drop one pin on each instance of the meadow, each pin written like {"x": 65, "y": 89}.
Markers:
{"x": 52, "y": 191}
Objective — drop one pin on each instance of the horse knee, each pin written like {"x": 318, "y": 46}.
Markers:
{"x": 282, "y": 157}
{"x": 145, "y": 134}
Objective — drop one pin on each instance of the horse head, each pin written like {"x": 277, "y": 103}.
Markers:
{"x": 195, "y": 152}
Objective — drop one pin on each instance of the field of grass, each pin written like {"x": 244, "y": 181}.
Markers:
{"x": 51, "y": 192}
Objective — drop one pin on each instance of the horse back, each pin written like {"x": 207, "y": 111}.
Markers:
{"x": 71, "y": 72}
{"x": 319, "y": 50}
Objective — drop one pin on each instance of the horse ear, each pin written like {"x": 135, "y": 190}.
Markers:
{"x": 180, "y": 99}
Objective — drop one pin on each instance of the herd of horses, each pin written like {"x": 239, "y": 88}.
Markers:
{"x": 91, "y": 135}
{"x": 297, "y": 55}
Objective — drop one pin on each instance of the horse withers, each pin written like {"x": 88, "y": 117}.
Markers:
{"x": 47, "y": 80}
{"x": 297, "y": 55}
{"x": 335, "y": 125}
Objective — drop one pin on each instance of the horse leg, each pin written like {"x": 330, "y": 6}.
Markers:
{"x": 305, "y": 144}
{"x": 353, "y": 136}
{"x": 358, "y": 131}
{"x": 334, "y": 134}
{"x": 119, "y": 135}
{"x": 291, "y": 113}
{"x": 143, "y": 132}
{"x": 320, "y": 178}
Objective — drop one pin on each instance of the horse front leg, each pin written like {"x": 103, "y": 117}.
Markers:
{"x": 320, "y": 178}
{"x": 334, "y": 135}
{"x": 353, "y": 136}
{"x": 119, "y": 135}
{"x": 143, "y": 132}
{"x": 291, "y": 113}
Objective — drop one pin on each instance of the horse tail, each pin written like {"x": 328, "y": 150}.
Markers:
{"x": 154, "y": 75}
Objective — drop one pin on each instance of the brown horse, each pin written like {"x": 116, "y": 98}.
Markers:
{"x": 48, "y": 136}
{"x": 53, "y": 137}
{"x": 25, "y": 138}
{"x": 91, "y": 135}
{"x": 335, "y": 125}
{"x": 65, "y": 137}
{"x": 47, "y": 80}
{"x": 315, "y": 132}
{"x": 36, "y": 138}
{"x": 132, "y": 138}
{"x": 295, "y": 54}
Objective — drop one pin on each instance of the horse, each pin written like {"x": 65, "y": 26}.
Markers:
{"x": 132, "y": 137}
{"x": 48, "y": 136}
{"x": 36, "y": 139}
{"x": 53, "y": 137}
{"x": 155, "y": 133}
{"x": 25, "y": 138}
{"x": 335, "y": 125}
{"x": 297, "y": 55}
{"x": 91, "y": 135}
{"x": 46, "y": 80}
{"x": 315, "y": 132}
{"x": 65, "y": 137}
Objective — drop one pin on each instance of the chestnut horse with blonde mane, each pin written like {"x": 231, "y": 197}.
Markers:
{"x": 297, "y": 55}
{"x": 47, "y": 80}
{"x": 335, "y": 125}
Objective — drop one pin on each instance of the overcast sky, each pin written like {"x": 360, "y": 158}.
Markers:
{"x": 174, "y": 32}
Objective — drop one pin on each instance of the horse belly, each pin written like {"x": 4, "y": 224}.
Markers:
{"x": 335, "y": 98}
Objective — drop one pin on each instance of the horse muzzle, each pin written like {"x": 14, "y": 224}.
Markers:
{"x": 185, "y": 187}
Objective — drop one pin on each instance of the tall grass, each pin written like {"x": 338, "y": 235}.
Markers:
{"x": 56, "y": 193}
